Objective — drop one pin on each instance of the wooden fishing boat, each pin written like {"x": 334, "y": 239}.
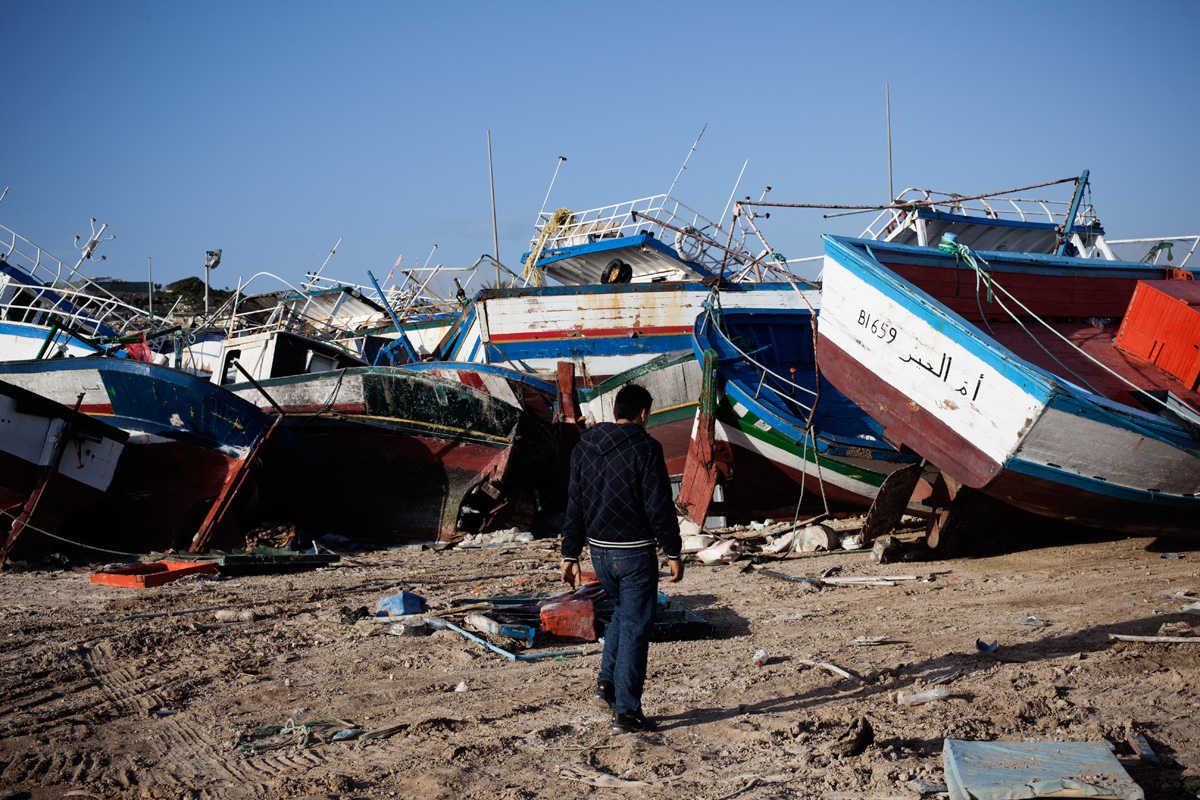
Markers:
{"x": 785, "y": 439}
{"x": 54, "y": 461}
{"x": 188, "y": 442}
{"x": 419, "y": 457}
{"x": 1026, "y": 400}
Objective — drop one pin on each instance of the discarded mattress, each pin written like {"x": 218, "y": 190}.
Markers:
{"x": 1015, "y": 770}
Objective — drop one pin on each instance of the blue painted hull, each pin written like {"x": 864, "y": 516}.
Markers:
{"x": 777, "y": 455}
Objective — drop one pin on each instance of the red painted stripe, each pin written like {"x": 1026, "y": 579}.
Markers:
{"x": 96, "y": 408}
{"x": 905, "y": 421}
{"x": 591, "y": 333}
{"x": 471, "y": 379}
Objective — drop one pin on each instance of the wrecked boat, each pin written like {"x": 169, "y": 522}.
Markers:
{"x": 783, "y": 440}
{"x": 418, "y": 457}
{"x": 1021, "y": 393}
{"x": 54, "y": 461}
{"x": 190, "y": 449}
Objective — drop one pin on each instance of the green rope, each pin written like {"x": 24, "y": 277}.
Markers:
{"x": 963, "y": 253}
{"x": 70, "y": 541}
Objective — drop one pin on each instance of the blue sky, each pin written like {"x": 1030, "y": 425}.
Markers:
{"x": 271, "y": 130}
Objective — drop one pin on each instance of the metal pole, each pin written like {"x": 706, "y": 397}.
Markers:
{"x": 206, "y": 294}
{"x": 736, "y": 183}
{"x": 150, "y": 275}
{"x": 495, "y": 236}
{"x": 685, "y": 160}
{"x": 887, "y": 90}
{"x": 547, "y": 200}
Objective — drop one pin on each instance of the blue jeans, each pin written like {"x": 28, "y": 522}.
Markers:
{"x": 630, "y": 577}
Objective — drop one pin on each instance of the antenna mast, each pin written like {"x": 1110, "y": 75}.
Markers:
{"x": 689, "y": 155}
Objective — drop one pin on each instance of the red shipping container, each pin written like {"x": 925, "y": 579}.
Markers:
{"x": 570, "y": 620}
{"x": 1162, "y": 327}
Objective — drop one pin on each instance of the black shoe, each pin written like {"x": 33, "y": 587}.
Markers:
{"x": 630, "y": 723}
{"x": 603, "y": 698}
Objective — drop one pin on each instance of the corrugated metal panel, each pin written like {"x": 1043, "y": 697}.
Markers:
{"x": 1162, "y": 326}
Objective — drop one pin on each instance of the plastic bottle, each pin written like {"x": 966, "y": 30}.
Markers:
{"x": 760, "y": 658}
{"x": 927, "y": 696}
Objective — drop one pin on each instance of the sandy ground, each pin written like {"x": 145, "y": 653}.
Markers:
{"x": 99, "y": 702}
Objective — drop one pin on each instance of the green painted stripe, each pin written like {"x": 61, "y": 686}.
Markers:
{"x": 727, "y": 415}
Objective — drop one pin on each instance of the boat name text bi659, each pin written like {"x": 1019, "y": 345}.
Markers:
{"x": 884, "y": 330}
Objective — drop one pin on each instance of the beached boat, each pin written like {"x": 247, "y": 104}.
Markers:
{"x": 50, "y": 309}
{"x": 188, "y": 442}
{"x": 54, "y": 461}
{"x": 652, "y": 239}
{"x": 603, "y": 329}
{"x": 787, "y": 439}
{"x": 1030, "y": 403}
{"x": 422, "y": 457}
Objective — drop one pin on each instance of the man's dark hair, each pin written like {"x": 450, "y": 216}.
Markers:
{"x": 631, "y": 401}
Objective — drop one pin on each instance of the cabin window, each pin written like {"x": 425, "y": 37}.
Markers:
{"x": 318, "y": 362}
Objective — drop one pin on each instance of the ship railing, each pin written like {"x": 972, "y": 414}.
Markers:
{"x": 783, "y": 387}
{"x": 1161, "y": 251}
{"x": 660, "y": 215}
{"x": 891, "y": 221}
{"x": 60, "y": 291}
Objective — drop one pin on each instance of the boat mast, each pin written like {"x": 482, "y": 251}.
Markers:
{"x": 495, "y": 236}
{"x": 1069, "y": 222}
{"x": 887, "y": 93}
{"x": 685, "y": 160}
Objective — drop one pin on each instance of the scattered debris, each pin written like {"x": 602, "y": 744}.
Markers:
{"x": 1176, "y": 629}
{"x": 760, "y": 658}
{"x": 400, "y": 605}
{"x": 984, "y": 647}
{"x": 920, "y": 698}
{"x": 923, "y": 787}
{"x": 594, "y": 777}
{"x": 1033, "y": 621}
{"x": 818, "y": 538}
{"x": 145, "y": 576}
{"x": 1159, "y": 639}
{"x": 854, "y": 739}
{"x": 725, "y": 551}
{"x": 697, "y": 542}
{"x": 868, "y": 641}
{"x": 1140, "y": 746}
{"x": 831, "y": 667}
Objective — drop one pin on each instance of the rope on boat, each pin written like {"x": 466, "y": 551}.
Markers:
{"x": 559, "y": 219}
{"x": 955, "y": 248}
{"x": 713, "y": 305}
{"x": 36, "y": 529}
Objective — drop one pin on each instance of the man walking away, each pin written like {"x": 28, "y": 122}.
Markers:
{"x": 619, "y": 500}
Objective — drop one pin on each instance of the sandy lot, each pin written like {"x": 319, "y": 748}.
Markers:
{"x": 100, "y": 702}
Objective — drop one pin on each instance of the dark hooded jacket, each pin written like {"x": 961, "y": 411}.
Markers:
{"x": 620, "y": 493}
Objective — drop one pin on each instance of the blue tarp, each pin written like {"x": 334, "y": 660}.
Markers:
{"x": 1017, "y": 770}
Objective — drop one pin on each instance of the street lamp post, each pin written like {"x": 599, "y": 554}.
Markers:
{"x": 211, "y": 259}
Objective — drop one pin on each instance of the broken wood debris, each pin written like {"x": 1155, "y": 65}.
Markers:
{"x": 1124, "y": 637}
{"x": 831, "y": 667}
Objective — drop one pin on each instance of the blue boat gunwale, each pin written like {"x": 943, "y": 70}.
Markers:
{"x": 60, "y": 303}
{"x": 1049, "y": 387}
{"x": 770, "y": 408}
{"x": 944, "y": 216}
